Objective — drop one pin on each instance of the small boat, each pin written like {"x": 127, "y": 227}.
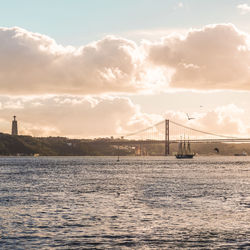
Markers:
{"x": 244, "y": 153}
{"x": 184, "y": 151}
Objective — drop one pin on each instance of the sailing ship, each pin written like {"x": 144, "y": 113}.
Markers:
{"x": 184, "y": 150}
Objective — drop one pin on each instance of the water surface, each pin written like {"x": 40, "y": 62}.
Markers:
{"x": 137, "y": 203}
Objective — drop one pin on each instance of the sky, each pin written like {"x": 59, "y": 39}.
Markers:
{"x": 91, "y": 68}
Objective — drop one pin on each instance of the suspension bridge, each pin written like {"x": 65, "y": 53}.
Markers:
{"x": 168, "y": 132}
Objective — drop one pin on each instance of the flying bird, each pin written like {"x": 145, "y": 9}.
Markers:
{"x": 189, "y": 118}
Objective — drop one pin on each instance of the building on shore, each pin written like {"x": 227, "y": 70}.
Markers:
{"x": 14, "y": 130}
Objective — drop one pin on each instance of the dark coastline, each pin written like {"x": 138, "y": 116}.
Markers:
{"x": 61, "y": 146}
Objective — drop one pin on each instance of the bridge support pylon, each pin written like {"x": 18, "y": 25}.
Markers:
{"x": 167, "y": 137}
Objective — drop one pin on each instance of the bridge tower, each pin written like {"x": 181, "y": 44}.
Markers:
{"x": 14, "y": 126}
{"x": 167, "y": 137}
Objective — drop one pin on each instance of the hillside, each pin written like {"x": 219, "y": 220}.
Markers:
{"x": 62, "y": 146}
{"x": 56, "y": 146}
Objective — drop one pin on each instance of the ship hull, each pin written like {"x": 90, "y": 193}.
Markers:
{"x": 186, "y": 156}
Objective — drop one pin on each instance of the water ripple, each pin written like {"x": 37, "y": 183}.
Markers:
{"x": 137, "y": 203}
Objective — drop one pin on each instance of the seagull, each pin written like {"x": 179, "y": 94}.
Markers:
{"x": 189, "y": 118}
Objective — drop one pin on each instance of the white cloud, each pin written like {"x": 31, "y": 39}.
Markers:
{"x": 215, "y": 57}
{"x": 244, "y": 8}
{"x": 88, "y": 117}
{"x": 78, "y": 117}
{"x": 180, "y": 5}
{"x": 225, "y": 120}
{"x": 32, "y": 63}
{"x": 229, "y": 120}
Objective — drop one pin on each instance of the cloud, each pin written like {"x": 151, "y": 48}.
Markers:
{"x": 31, "y": 63}
{"x": 89, "y": 117}
{"x": 180, "y": 5}
{"x": 225, "y": 120}
{"x": 75, "y": 117}
{"x": 215, "y": 57}
{"x": 244, "y": 8}
{"x": 228, "y": 120}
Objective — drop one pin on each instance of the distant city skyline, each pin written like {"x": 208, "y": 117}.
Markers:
{"x": 69, "y": 66}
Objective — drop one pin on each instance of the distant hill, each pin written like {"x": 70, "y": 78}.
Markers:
{"x": 62, "y": 146}
{"x": 56, "y": 146}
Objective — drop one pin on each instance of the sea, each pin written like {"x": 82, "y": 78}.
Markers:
{"x": 134, "y": 203}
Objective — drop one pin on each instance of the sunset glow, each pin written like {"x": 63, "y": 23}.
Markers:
{"x": 57, "y": 86}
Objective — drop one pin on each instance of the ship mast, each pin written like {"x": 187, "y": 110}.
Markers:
{"x": 180, "y": 148}
{"x": 188, "y": 147}
{"x": 185, "y": 146}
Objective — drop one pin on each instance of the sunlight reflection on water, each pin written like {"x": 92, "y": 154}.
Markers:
{"x": 148, "y": 202}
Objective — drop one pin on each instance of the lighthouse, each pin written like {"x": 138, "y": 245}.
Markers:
{"x": 14, "y": 126}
